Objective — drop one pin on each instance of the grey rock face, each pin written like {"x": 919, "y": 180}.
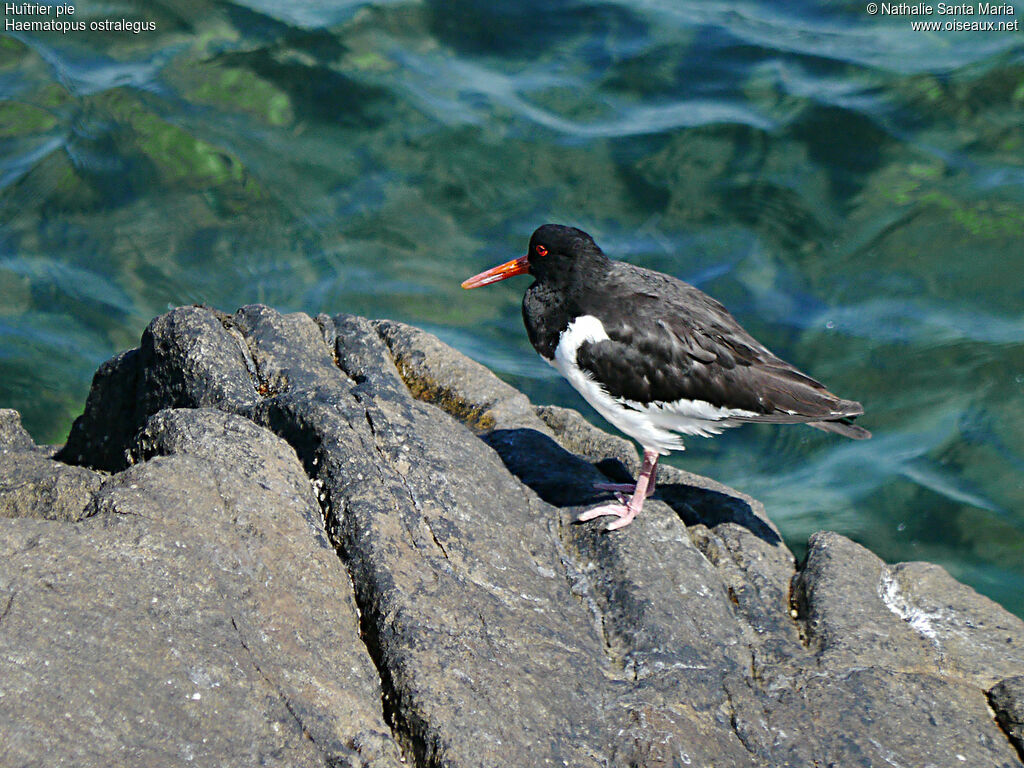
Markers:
{"x": 12, "y": 435}
{"x": 199, "y": 615}
{"x": 465, "y": 619}
{"x": 34, "y": 485}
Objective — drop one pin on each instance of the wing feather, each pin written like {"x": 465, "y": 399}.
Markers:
{"x": 673, "y": 342}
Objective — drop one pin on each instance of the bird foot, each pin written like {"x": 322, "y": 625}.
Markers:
{"x": 625, "y": 513}
{"x": 615, "y": 487}
{"x": 626, "y": 509}
{"x": 621, "y": 488}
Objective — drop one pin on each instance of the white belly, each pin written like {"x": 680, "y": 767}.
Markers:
{"x": 656, "y": 426}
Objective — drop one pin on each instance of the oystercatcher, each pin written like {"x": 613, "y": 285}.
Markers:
{"x": 655, "y": 356}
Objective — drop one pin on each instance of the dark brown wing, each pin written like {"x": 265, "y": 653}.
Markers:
{"x": 669, "y": 341}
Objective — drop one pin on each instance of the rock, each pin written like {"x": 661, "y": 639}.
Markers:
{"x": 12, "y": 435}
{"x": 912, "y": 617}
{"x": 468, "y": 620}
{"x": 34, "y": 485}
{"x": 188, "y": 358}
{"x": 614, "y": 456}
{"x": 1007, "y": 699}
{"x": 454, "y": 383}
{"x": 907, "y": 641}
{"x": 199, "y": 616}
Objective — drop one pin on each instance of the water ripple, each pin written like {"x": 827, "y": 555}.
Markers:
{"x": 449, "y": 103}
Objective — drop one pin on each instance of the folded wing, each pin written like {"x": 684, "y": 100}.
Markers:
{"x": 677, "y": 344}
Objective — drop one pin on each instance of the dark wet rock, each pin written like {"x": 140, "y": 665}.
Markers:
{"x": 464, "y": 618}
{"x": 189, "y": 358}
{"x": 1007, "y": 699}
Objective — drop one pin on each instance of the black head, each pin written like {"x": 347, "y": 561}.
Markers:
{"x": 557, "y": 254}
{"x": 557, "y": 251}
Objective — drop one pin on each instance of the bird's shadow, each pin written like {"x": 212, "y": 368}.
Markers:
{"x": 563, "y": 479}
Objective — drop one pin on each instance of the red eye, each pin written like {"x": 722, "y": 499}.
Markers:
{"x": 541, "y": 250}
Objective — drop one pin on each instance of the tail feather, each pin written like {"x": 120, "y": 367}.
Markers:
{"x": 844, "y": 427}
{"x": 849, "y": 408}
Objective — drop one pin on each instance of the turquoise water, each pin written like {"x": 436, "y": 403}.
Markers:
{"x": 853, "y": 190}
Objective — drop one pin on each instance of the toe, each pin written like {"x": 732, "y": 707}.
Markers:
{"x": 617, "y": 510}
{"x": 616, "y": 487}
{"x": 622, "y": 522}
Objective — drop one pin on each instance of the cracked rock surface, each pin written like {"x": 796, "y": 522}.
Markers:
{"x": 283, "y": 540}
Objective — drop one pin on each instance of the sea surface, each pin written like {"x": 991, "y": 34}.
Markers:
{"x": 852, "y": 189}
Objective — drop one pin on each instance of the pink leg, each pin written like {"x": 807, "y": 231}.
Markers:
{"x": 627, "y": 511}
{"x": 620, "y": 488}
